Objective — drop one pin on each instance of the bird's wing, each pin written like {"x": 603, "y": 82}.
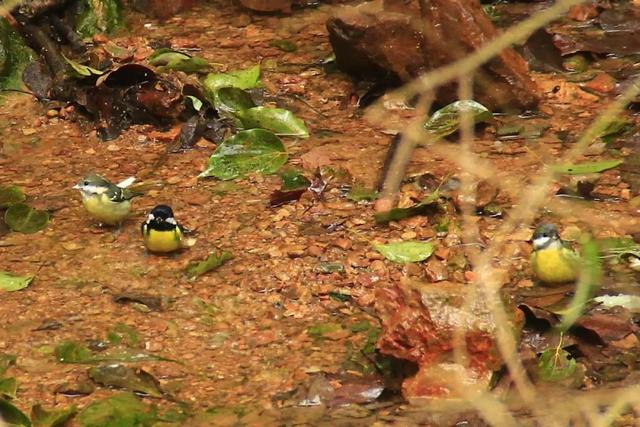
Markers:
{"x": 116, "y": 194}
{"x": 127, "y": 182}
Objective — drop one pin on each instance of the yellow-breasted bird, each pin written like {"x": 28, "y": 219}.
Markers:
{"x": 161, "y": 232}
{"x": 107, "y": 202}
{"x": 552, "y": 262}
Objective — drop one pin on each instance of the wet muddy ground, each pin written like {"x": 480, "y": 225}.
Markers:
{"x": 244, "y": 334}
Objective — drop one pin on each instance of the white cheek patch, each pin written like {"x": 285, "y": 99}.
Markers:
{"x": 150, "y": 217}
{"x": 94, "y": 189}
{"x": 171, "y": 220}
{"x": 540, "y": 242}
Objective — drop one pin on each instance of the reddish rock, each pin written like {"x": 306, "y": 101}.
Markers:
{"x": 267, "y": 5}
{"x": 418, "y": 321}
{"x": 583, "y": 12}
{"x": 380, "y": 38}
{"x": 161, "y": 9}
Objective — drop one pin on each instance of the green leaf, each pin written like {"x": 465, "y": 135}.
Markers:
{"x": 284, "y": 45}
{"x": 554, "y": 364}
{"x": 586, "y": 168}
{"x": 409, "y": 251}
{"x": 277, "y": 120}
{"x": 232, "y": 99}
{"x": 121, "y": 410}
{"x": 426, "y": 206}
{"x": 8, "y": 387}
{"x": 241, "y": 79}
{"x": 293, "y": 179}
{"x": 41, "y": 417}
{"x": 320, "y": 330}
{"x": 15, "y": 55}
{"x": 24, "y": 219}
{"x": 73, "y": 352}
{"x": 588, "y": 283}
{"x": 630, "y": 302}
{"x": 12, "y": 416}
{"x": 168, "y": 59}
{"x": 122, "y": 331}
{"x": 446, "y": 120}
{"x": 255, "y": 150}
{"x": 98, "y": 16}
{"x": 81, "y": 70}
{"x": 197, "y": 104}
{"x": 358, "y": 193}
{"x": 10, "y": 282}
{"x": 11, "y": 196}
{"x": 213, "y": 261}
{"x": 6, "y": 360}
{"x": 614, "y": 128}
{"x": 120, "y": 376}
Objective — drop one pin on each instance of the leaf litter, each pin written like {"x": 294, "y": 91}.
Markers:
{"x": 299, "y": 304}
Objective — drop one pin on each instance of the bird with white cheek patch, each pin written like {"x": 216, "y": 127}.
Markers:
{"x": 109, "y": 203}
{"x": 161, "y": 232}
{"x": 551, "y": 261}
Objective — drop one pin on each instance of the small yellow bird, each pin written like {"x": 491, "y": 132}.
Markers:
{"x": 107, "y": 202}
{"x": 552, "y": 262}
{"x": 161, "y": 232}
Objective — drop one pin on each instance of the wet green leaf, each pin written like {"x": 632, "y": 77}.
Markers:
{"x": 120, "y": 376}
{"x": 10, "y": 196}
{"x": 10, "y": 282}
{"x": 73, "y": 352}
{"x": 586, "y": 168}
{"x": 121, "y": 410}
{"x": 614, "y": 128}
{"x": 323, "y": 329}
{"x": 361, "y": 326}
{"x": 13, "y": 416}
{"x": 241, "y": 79}
{"x": 168, "y": 59}
{"x": 8, "y": 387}
{"x": 284, "y": 45}
{"x": 98, "y": 16}
{"x": 293, "y": 179}
{"x": 41, "y": 417}
{"x": 255, "y": 150}
{"x": 409, "y": 251}
{"x": 428, "y": 205}
{"x": 24, "y": 219}
{"x": 630, "y": 302}
{"x": 588, "y": 283}
{"x": 232, "y": 99}
{"x": 555, "y": 364}
{"x": 197, "y": 104}
{"x": 358, "y": 193}
{"x": 575, "y": 63}
{"x": 213, "y": 261}
{"x": 15, "y": 55}
{"x": 81, "y": 70}
{"x": 446, "y": 120}
{"x": 6, "y": 360}
{"x": 277, "y": 120}
{"x": 123, "y": 332}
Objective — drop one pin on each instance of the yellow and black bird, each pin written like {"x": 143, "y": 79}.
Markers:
{"x": 161, "y": 232}
{"x": 552, "y": 262}
{"x": 107, "y": 202}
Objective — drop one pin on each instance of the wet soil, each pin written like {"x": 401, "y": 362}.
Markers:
{"x": 241, "y": 332}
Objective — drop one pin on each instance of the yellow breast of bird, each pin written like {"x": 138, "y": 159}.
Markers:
{"x": 163, "y": 241}
{"x": 554, "y": 265}
{"x": 106, "y": 211}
